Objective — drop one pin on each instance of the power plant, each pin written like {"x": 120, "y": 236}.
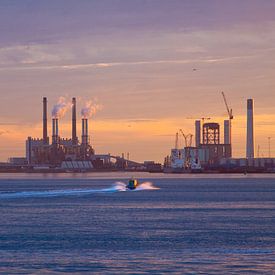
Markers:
{"x": 41, "y": 151}
{"x": 70, "y": 154}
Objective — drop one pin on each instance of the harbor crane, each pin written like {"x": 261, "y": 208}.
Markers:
{"x": 187, "y": 139}
{"x": 230, "y": 115}
{"x": 188, "y": 144}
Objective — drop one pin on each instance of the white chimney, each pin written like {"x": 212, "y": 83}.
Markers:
{"x": 250, "y": 130}
{"x": 198, "y": 132}
{"x": 227, "y": 132}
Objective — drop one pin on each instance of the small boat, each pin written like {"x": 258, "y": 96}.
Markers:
{"x": 132, "y": 184}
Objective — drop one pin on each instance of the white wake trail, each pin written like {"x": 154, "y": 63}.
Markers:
{"x": 59, "y": 193}
{"x": 146, "y": 186}
{"x": 116, "y": 187}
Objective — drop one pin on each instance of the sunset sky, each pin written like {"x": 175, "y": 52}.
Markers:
{"x": 137, "y": 59}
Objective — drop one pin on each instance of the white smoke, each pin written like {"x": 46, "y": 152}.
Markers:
{"x": 60, "y": 109}
{"x": 90, "y": 109}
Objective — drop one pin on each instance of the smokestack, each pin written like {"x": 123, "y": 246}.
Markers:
{"x": 55, "y": 130}
{"x": 74, "y": 137}
{"x": 198, "y": 132}
{"x": 84, "y": 131}
{"x": 250, "y": 130}
{"x": 227, "y": 132}
{"x": 45, "y": 126}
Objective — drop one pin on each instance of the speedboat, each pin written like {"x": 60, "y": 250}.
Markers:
{"x": 132, "y": 184}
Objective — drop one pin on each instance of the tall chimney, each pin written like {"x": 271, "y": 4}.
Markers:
{"x": 84, "y": 131}
{"x": 45, "y": 126}
{"x": 227, "y": 137}
{"x": 55, "y": 130}
{"x": 250, "y": 130}
{"x": 198, "y": 133}
{"x": 227, "y": 132}
{"x": 74, "y": 137}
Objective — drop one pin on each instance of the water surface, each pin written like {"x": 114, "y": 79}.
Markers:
{"x": 89, "y": 223}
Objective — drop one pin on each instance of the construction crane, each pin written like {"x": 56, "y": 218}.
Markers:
{"x": 230, "y": 115}
{"x": 205, "y": 118}
{"x": 201, "y": 118}
{"x": 229, "y": 111}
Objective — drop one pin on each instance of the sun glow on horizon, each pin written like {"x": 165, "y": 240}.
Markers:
{"x": 143, "y": 138}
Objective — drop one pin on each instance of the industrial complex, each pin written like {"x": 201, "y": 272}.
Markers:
{"x": 60, "y": 154}
{"x": 209, "y": 154}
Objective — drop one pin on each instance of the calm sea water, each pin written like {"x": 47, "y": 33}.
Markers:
{"x": 89, "y": 224}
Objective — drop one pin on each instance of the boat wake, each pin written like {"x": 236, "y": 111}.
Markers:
{"x": 116, "y": 187}
{"x": 147, "y": 185}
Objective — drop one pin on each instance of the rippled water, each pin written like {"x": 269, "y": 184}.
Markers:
{"x": 90, "y": 223}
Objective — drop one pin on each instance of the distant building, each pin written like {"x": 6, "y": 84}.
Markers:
{"x": 18, "y": 161}
{"x": 205, "y": 154}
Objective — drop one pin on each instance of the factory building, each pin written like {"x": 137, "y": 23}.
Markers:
{"x": 248, "y": 165}
{"x": 208, "y": 150}
{"x": 70, "y": 154}
{"x": 42, "y": 152}
{"x": 213, "y": 149}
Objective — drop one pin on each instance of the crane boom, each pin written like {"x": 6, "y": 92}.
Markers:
{"x": 188, "y": 144}
{"x": 229, "y": 111}
{"x": 230, "y": 116}
{"x": 187, "y": 139}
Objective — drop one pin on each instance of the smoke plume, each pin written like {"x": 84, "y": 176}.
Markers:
{"x": 90, "y": 109}
{"x": 60, "y": 109}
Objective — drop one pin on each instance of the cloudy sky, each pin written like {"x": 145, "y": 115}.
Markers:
{"x": 136, "y": 59}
